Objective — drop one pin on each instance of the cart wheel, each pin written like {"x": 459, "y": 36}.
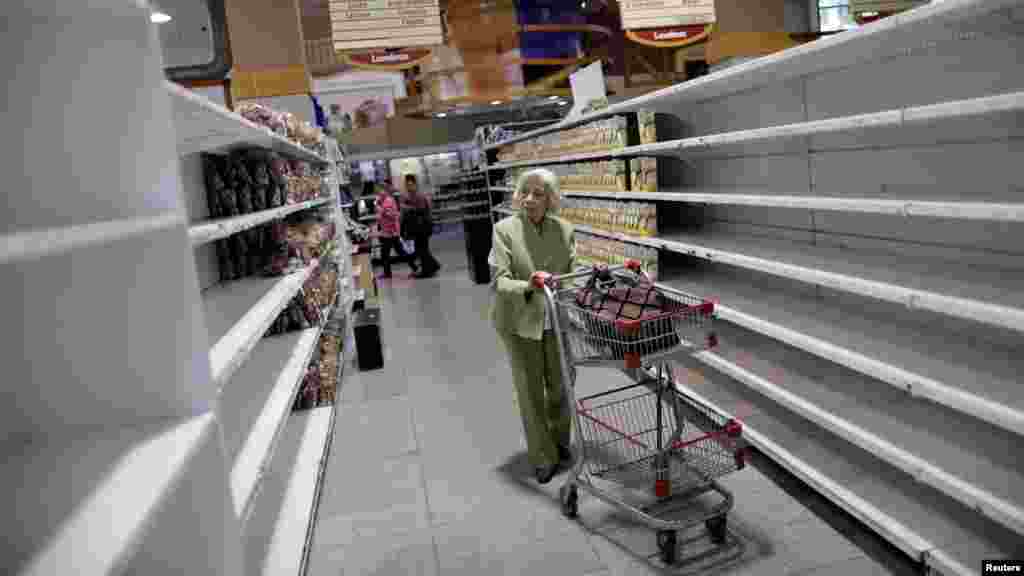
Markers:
{"x": 716, "y": 527}
{"x": 570, "y": 501}
{"x": 667, "y": 546}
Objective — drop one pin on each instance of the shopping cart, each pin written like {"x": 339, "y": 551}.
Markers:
{"x": 645, "y": 445}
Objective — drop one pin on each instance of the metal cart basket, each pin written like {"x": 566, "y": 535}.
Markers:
{"x": 645, "y": 444}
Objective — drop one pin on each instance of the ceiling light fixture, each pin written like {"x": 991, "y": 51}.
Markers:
{"x": 159, "y": 18}
{"x": 562, "y": 103}
{"x": 495, "y": 102}
{"x": 869, "y": 14}
{"x": 441, "y": 114}
{"x": 553, "y": 97}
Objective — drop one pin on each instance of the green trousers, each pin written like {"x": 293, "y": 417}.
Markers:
{"x": 539, "y": 393}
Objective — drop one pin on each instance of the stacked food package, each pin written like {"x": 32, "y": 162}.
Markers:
{"x": 300, "y": 314}
{"x": 309, "y": 307}
{"x": 597, "y": 251}
{"x": 284, "y": 124}
{"x": 273, "y": 249}
{"x": 648, "y": 133}
{"x": 321, "y": 287}
{"x": 644, "y": 174}
{"x": 638, "y": 174}
{"x": 320, "y": 384}
{"x": 632, "y": 218}
{"x": 597, "y": 136}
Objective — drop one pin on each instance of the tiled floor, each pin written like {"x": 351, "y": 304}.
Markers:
{"x": 427, "y": 472}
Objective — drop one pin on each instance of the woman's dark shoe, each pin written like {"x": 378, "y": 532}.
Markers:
{"x": 564, "y": 454}
{"x": 546, "y": 473}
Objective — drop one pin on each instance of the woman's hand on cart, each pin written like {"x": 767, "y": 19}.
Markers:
{"x": 541, "y": 279}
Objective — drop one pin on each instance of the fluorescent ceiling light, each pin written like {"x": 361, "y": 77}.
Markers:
{"x": 441, "y": 114}
{"x": 868, "y": 14}
{"x": 553, "y": 97}
{"x": 159, "y": 18}
{"x": 563, "y": 103}
{"x": 495, "y": 102}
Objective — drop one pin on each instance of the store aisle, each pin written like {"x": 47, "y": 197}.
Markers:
{"x": 427, "y": 472}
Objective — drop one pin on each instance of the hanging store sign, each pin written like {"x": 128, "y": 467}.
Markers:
{"x": 673, "y": 37}
{"x": 645, "y": 14}
{"x": 362, "y": 24}
{"x": 397, "y": 59}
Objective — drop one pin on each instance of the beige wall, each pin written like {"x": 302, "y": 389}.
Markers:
{"x": 265, "y": 33}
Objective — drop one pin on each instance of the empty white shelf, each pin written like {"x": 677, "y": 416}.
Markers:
{"x": 83, "y": 507}
{"x": 913, "y": 516}
{"x": 276, "y": 532}
{"x": 996, "y": 212}
{"x": 652, "y": 241}
{"x": 210, "y": 230}
{"x": 923, "y": 439}
{"x": 239, "y": 313}
{"x": 943, "y": 121}
{"x": 985, "y": 295}
{"x": 912, "y": 30}
{"x": 205, "y": 126}
{"x": 257, "y": 402}
{"x": 34, "y": 244}
{"x": 922, "y": 362}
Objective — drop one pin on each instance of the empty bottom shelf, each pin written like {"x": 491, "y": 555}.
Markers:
{"x": 933, "y": 518}
{"x": 276, "y": 532}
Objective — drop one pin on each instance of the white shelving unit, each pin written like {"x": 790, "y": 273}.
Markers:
{"x": 150, "y": 429}
{"x": 864, "y": 248}
{"x": 224, "y": 227}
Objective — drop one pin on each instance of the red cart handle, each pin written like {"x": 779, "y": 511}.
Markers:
{"x": 540, "y": 279}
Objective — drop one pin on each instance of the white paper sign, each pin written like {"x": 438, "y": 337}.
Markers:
{"x": 358, "y": 24}
{"x": 587, "y": 85}
{"x": 641, "y": 14}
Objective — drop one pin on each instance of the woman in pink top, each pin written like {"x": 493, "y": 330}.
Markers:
{"x": 388, "y": 223}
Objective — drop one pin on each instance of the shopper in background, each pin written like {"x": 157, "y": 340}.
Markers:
{"x": 418, "y": 225}
{"x": 527, "y": 249}
{"x": 389, "y": 230}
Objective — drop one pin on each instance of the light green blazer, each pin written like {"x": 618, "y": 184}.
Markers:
{"x": 519, "y": 249}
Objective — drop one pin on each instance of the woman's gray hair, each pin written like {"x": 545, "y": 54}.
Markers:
{"x": 551, "y": 187}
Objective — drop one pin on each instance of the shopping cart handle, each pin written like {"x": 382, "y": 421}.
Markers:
{"x": 540, "y": 279}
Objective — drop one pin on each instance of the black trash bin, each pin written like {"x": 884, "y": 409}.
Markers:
{"x": 369, "y": 351}
{"x": 478, "y": 234}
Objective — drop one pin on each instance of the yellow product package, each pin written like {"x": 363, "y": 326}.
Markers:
{"x": 648, "y": 133}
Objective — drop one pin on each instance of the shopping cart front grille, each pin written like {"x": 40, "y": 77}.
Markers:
{"x": 621, "y": 440}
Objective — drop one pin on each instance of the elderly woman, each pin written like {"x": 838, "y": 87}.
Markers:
{"x": 527, "y": 247}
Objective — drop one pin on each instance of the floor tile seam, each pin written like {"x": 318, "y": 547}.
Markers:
{"x": 426, "y": 492}
{"x": 808, "y": 570}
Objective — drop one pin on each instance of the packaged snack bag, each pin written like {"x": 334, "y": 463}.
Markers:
{"x": 649, "y": 179}
{"x": 648, "y": 134}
